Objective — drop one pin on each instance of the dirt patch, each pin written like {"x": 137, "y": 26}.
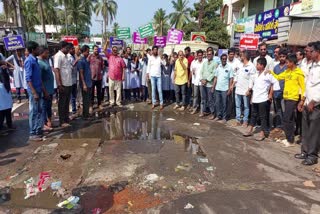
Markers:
{"x": 133, "y": 200}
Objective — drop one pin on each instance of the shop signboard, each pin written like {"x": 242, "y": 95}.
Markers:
{"x": 198, "y": 36}
{"x": 244, "y": 25}
{"x": 267, "y": 23}
{"x": 249, "y": 41}
{"x": 71, "y": 39}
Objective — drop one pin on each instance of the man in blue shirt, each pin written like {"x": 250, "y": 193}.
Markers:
{"x": 85, "y": 80}
{"x": 35, "y": 89}
{"x": 278, "y": 95}
{"x": 222, "y": 86}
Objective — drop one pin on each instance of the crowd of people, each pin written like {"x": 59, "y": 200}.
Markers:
{"x": 219, "y": 88}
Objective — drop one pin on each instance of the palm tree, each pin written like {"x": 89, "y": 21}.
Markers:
{"x": 160, "y": 21}
{"x": 9, "y": 10}
{"x": 79, "y": 12}
{"x": 42, "y": 16}
{"x": 30, "y": 15}
{"x": 181, "y": 15}
{"x": 65, "y": 4}
{"x": 108, "y": 10}
{"x": 115, "y": 27}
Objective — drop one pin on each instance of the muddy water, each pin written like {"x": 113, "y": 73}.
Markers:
{"x": 126, "y": 125}
{"x": 43, "y": 200}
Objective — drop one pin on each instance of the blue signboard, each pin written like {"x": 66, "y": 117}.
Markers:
{"x": 13, "y": 42}
{"x": 267, "y": 22}
{"x": 116, "y": 42}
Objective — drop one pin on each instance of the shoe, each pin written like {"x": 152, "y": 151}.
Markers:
{"x": 260, "y": 138}
{"x": 247, "y": 134}
{"x": 286, "y": 144}
{"x": 182, "y": 108}
{"x": 47, "y": 129}
{"x": 201, "y": 115}
{"x": 212, "y": 117}
{"x": 149, "y": 102}
{"x": 112, "y": 104}
{"x": 245, "y": 125}
{"x": 161, "y": 107}
{"x": 100, "y": 107}
{"x": 222, "y": 121}
{"x": 194, "y": 111}
{"x": 300, "y": 156}
{"x": 107, "y": 102}
{"x": 309, "y": 162}
{"x": 120, "y": 105}
{"x": 216, "y": 119}
{"x": 35, "y": 138}
{"x": 176, "y": 107}
{"x": 65, "y": 125}
{"x": 152, "y": 107}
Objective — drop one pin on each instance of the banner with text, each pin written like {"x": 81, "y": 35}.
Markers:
{"x": 174, "y": 36}
{"x": 146, "y": 31}
{"x": 124, "y": 33}
{"x": 116, "y": 42}
{"x": 267, "y": 23}
{"x": 245, "y": 25}
{"x": 13, "y": 42}
{"x": 138, "y": 40}
{"x": 249, "y": 41}
{"x": 160, "y": 41}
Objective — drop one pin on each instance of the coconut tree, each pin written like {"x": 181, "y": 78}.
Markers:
{"x": 160, "y": 21}
{"x": 65, "y": 4}
{"x": 108, "y": 10}
{"x": 115, "y": 27}
{"x": 181, "y": 14}
{"x": 30, "y": 15}
{"x": 79, "y": 12}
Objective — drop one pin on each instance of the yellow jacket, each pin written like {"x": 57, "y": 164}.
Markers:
{"x": 294, "y": 84}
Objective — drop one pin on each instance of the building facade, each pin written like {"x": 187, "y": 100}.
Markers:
{"x": 272, "y": 20}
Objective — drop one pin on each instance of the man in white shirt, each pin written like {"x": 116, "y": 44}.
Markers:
{"x": 276, "y": 59}
{"x": 263, "y": 54}
{"x": 311, "y": 112}
{"x": 241, "y": 82}
{"x": 262, "y": 86}
{"x": 63, "y": 73}
{"x": 307, "y": 61}
{"x": 235, "y": 65}
{"x": 154, "y": 73}
{"x": 195, "y": 69}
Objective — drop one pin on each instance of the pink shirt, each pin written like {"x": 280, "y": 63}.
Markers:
{"x": 96, "y": 67}
{"x": 116, "y": 66}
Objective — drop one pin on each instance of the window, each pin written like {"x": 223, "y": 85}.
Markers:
{"x": 284, "y": 2}
{"x": 255, "y": 7}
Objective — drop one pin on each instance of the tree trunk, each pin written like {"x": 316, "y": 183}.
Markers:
{"x": 66, "y": 16}
{"x": 104, "y": 33}
{"x": 42, "y": 17}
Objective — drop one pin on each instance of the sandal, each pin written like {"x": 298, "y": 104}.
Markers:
{"x": 247, "y": 134}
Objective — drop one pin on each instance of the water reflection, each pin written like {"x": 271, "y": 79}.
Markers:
{"x": 132, "y": 125}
